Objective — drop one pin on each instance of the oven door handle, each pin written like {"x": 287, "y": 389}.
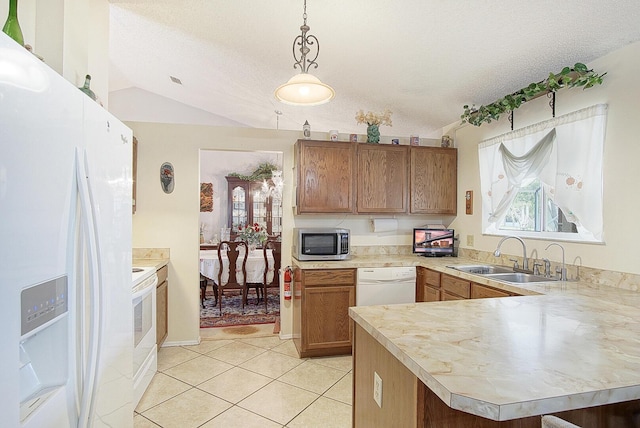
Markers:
{"x": 147, "y": 289}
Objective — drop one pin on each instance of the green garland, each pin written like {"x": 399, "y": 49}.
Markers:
{"x": 263, "y": 172}
{"x": 579, "y": 75}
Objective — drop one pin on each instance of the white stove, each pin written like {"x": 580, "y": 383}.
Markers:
{"x": 144, "y": 282}
{"x": 139, "y": 274}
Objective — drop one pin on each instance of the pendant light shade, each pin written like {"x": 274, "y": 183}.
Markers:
{"x": 305, "y": 89}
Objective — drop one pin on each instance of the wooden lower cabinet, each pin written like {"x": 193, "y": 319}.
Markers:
{"x": 427, "y": 285}
{"x": 433, "y": 286}
{"x": 454, "y": 288}
{"x": 479, "y": 291}
{"x": 321, "y": 311}
{"x": 162, "y": 306}
{"x": 407, "y": 402}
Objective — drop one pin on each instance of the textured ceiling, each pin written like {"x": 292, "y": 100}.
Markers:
{"x": 423, "y": 59}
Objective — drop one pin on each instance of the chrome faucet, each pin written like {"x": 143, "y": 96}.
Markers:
{"x": 562, "y": 271}
{"x": 525, "y": 263}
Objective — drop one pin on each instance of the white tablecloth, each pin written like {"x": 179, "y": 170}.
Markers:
{"x": 209, "y": 266}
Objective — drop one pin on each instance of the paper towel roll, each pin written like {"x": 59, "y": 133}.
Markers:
{"x": 384, "y": 224}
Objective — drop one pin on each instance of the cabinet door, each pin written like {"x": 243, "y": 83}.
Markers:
{"x": 238, "y": 206}
{"x": 382, "y": 178}
{"x": 162, "y": 303}
{"x": 326, "y": 322}
{"x": 430, "y": 294}
{"x": 454, "y": 285}
{"x": 433, "y": 180}
{"x": 325, "y": 173}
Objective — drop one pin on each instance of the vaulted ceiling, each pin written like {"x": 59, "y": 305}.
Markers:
{"x": 423, "y": 59}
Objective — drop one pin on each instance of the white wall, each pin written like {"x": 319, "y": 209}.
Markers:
{"x": 172, "y": 220}
{"x": 73, "y": 47}
{"x": 621, "y": 90}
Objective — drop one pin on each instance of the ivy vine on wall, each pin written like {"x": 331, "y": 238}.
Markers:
{"x": 577, "y": 76}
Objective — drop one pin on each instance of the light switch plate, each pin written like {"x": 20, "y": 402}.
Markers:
{"x": 468, "y": 201}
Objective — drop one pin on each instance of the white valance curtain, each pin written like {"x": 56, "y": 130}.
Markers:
{"x": 565, "y": 153}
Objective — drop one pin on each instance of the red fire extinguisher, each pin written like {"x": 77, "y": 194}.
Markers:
{"x": 287, "y": 283}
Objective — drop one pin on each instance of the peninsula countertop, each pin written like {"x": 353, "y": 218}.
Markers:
{"x": 562, "y": 346}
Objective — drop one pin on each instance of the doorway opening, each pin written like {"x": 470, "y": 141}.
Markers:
{"x": 240, "y": 201}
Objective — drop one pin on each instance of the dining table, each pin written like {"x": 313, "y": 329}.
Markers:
{"x": 210, "y": 266}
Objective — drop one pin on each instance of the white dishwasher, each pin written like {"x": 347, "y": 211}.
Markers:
{"x": 385, "y": 286}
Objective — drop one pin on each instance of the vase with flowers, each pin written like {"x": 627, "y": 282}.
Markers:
{"x": 254, "y": 235}
{"x": 373, "y": 121}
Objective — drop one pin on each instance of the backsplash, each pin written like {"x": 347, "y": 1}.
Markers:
{"x": 626, "y": 281}
{"x": 151, "y": 253}
{"x": 381, "y": 250}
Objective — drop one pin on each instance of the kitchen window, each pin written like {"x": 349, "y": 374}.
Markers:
{"x": 546, "y": 180}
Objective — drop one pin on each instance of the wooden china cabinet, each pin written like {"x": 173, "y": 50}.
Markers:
{"x": 248, "y": 205}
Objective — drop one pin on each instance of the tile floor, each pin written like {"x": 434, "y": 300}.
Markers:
{"x": 246, "y": 381}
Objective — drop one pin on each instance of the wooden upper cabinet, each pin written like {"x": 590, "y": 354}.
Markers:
{"x": 383, "y": 181}
{"x": 325, "y": 174}
{"x": 434, "y": 174}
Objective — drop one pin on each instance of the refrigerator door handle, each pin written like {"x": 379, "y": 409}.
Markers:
{"x": 89, "y": 383}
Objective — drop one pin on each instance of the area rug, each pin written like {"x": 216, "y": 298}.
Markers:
{"x": 232, "y": 313}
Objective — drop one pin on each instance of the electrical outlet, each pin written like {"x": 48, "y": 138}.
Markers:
{"x": 469, "y": 240}
{"x": 377, "y": 389}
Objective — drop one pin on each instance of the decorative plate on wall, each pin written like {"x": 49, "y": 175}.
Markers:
{"x": 167, "y": 177}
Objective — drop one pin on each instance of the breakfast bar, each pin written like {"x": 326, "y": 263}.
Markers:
{"x": 479, "y": 362}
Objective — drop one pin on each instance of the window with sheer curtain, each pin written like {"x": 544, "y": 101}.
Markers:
{"x": 546, "y": 180}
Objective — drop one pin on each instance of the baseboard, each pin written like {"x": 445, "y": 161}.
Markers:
{"x": 168, "y": 344}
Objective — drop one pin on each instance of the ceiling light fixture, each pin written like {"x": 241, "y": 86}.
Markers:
{"x": 305, "y": 89}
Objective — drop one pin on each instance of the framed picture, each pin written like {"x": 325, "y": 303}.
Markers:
{"x": 206, "y": 197}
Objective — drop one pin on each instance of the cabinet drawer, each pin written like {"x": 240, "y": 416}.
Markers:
{"x": 479, "y": 291}
{"x": 450, "y": 296}
{"x": 162, "y": 274}
{"x": 328, "y": 277}
{"x": 432, "y": 277}
{"x": 456, "y": 286}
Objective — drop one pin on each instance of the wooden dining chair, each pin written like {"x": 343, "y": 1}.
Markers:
{"x": 234, "y": 282}
{"x": 274, "y": 246}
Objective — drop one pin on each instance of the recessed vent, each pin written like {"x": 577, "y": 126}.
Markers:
{"x": 175, "y": 80}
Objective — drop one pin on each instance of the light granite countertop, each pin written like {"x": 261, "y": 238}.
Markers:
{"x": 560, "y": 346}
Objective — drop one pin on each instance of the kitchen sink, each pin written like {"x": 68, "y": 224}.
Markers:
{"x": 501, "y": 273}
{"x": 518, "y": 277}
{"x": 482, "y": 269}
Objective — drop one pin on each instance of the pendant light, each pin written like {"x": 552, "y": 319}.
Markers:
{"x": 305, "y": 89}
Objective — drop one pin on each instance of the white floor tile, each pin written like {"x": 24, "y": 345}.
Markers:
{"x": 271, "y": 364}
{"x": 237, "y": 417}
{"x": 278, "y": 401}
{"x": 236, "y": 352}
{"x": 198, "y": 370}
{"x": 323, "y": 413}
{"x": 342, "y": 391}
{"x": 196, "y": 386}
{"x": 235, "y": 384}
{"x": 312, "y": 377}
{"x": 161, "y": 388}
{"x": 187, "y": 410}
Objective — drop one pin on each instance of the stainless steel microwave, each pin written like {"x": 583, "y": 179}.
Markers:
{"x": 320, "y": 244}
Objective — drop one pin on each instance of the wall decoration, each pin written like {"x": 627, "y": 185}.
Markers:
{"x": 578, "y": 76}
{"x": 167, "y": 177}
{"x": 206, "y": 197}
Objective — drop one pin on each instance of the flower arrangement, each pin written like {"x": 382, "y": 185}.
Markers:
{"x": 252, "y": 234}
{"x": 371, "y": 118}
{"x": 373, "y": 121}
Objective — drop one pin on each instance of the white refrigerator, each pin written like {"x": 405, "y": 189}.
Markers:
{"x": 65, "y": 252}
